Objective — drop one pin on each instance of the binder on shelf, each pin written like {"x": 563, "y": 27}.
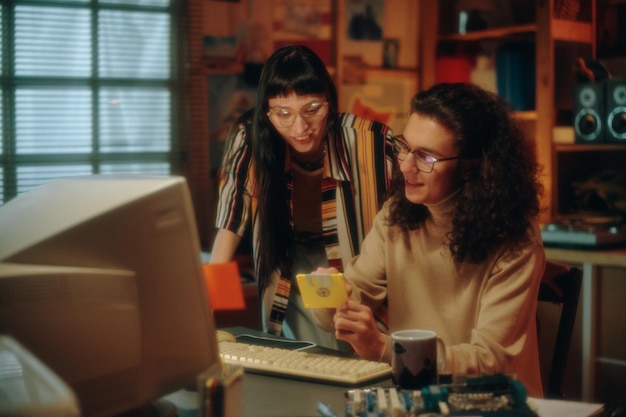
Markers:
{"x": 515, "y": 73}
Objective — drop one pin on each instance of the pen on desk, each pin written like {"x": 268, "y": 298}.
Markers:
{"x": 325, "y": 410}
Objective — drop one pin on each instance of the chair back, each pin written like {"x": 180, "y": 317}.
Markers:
{"x": 560, "y": 284}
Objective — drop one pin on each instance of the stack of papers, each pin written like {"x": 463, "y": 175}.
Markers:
{"x": 562, "y": 408}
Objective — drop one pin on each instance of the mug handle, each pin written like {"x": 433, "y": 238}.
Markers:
{"x": 441, "y": 354}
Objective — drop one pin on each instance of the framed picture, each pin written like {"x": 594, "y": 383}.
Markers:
{"x": 390, "y": 53}
{"x": 382, "y": 97}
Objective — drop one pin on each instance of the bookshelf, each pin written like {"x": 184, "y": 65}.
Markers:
{"x": 558, "y": 41}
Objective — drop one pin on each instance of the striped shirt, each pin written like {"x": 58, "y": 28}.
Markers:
{"x": 357, "y": 172}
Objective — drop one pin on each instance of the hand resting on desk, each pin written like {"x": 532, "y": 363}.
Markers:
{"x": 224, "y": 336}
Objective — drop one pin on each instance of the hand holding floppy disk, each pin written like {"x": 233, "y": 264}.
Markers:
{"x": 323, "y": 290}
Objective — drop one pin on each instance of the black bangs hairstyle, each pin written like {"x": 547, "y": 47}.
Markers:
{"x": 290, "y": 69}
{"x": 295, "y": 69}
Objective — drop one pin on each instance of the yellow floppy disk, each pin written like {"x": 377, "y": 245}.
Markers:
{"x": 322, "y": 291}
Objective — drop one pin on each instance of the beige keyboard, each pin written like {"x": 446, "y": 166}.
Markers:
{"x": 304, "y": 365}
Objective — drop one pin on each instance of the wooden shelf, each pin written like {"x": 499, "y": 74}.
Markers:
{"x": 563, "y": 30}
{"x": 555, "y": 38}
{"x": 571, "y": 31}
{"x": 527, "y": 115}
{"x": 497, "y": 33}
{"x": 213, "y": 68}
{"x": 581, "y": 147}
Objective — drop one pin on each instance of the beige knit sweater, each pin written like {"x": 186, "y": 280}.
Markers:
{"x": 485, "y": 313}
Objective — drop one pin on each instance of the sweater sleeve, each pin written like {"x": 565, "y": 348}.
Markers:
{"x": 504, "y": 336}
{"x": 366, "y": 272}
{"x": 234, "y": 204}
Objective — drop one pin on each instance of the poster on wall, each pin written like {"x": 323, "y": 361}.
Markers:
{"x": 306, "y": 22}
{"x": 364, "y": 19}
{"x": 382, "y": 98}
{"x": 229, "y": 97}
{"x": 364, "y": 31}
{"x": 234, "y": 35}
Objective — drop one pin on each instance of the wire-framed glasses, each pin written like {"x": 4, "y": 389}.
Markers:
{"x": 311, "y": 113}
{"x": 423, "y": 161}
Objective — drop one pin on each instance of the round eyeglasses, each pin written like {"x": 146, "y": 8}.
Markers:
{"x": 311, "y": 113}
{"x": 423, "y": 161}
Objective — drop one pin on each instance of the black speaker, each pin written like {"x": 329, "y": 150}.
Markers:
{"x": 615, "y": 111}
{"x": 589, "y": 119}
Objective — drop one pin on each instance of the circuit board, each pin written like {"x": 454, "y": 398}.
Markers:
{"x": 489, "y": 396}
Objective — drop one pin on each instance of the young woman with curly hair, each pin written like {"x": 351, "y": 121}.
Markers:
{"x": 456, "y": 249}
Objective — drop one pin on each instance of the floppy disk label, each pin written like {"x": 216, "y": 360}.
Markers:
{"x": 322, "y": 291}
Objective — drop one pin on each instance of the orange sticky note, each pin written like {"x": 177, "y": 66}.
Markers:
{"x": 224, "y": 286}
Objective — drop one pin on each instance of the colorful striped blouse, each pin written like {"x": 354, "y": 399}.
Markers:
{"x": 357, "y": 172}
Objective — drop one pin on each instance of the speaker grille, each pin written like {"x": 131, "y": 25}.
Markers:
{"x": 588, "y": 114}
{"x": 616, "y": 111}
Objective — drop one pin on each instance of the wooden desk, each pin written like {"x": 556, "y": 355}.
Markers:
{"x": 591, "y": 262}
{"x": 267, "y": 396}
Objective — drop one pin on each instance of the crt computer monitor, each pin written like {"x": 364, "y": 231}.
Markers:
{"x": 101, "y": 279}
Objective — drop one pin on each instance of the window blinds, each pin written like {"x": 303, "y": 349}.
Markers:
{"x": 87, "y": 87}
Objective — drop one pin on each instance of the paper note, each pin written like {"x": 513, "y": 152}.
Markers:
{"x": 223, "y": 283}
{"x": 562, "y": 408}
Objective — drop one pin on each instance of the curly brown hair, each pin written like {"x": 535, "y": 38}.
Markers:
{"x": 500, "y": 197}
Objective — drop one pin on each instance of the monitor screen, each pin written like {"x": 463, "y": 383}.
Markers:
{"x": 101, "y": 279}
